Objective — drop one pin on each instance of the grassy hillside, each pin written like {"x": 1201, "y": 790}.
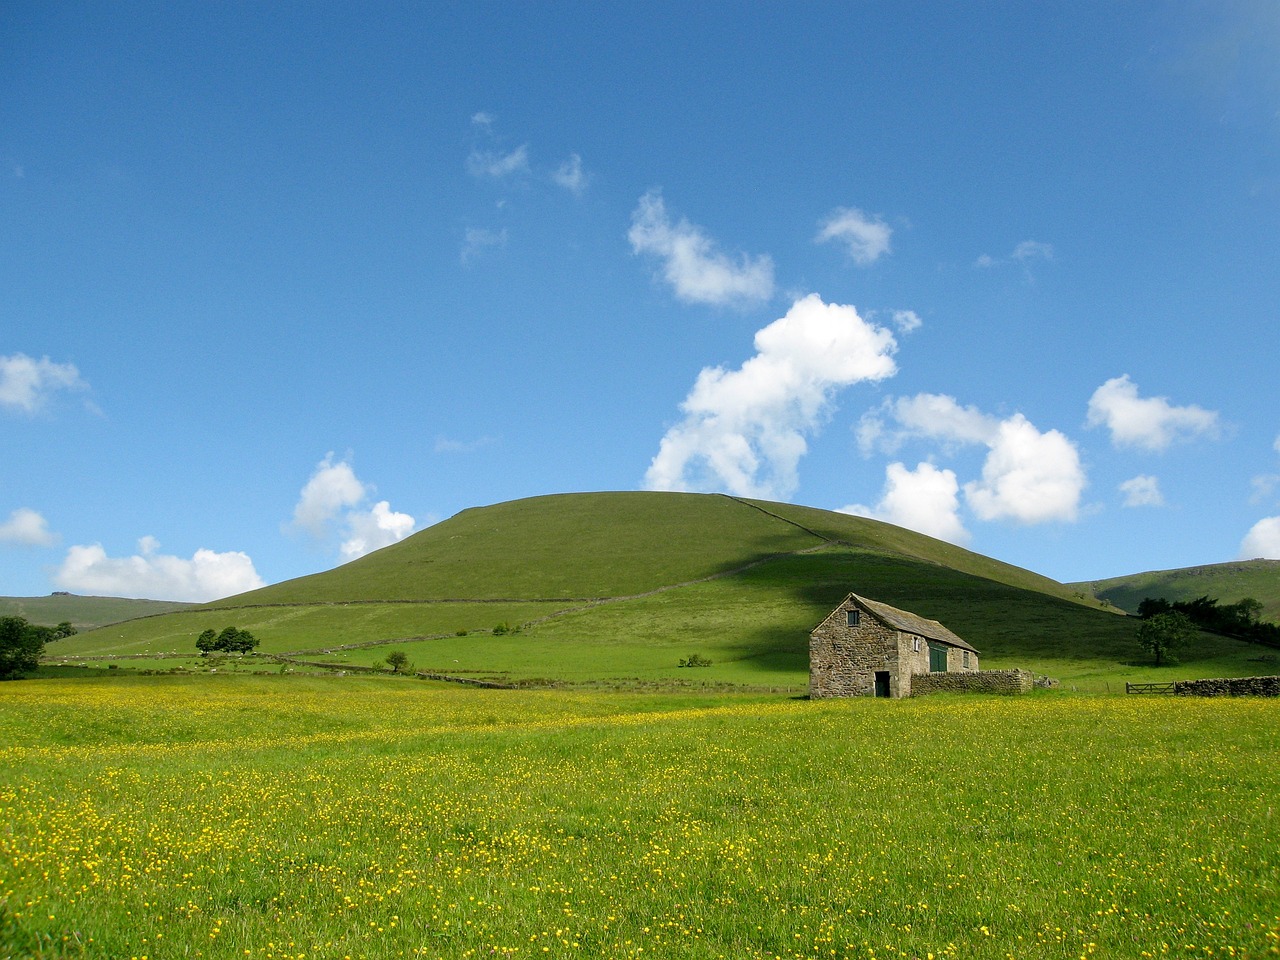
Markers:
{"x": 1227, "y": 582}
{"x": 84, "y": 613}
{"x": 620, "y": 587}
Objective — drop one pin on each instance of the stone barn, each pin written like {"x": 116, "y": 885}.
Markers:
{"x": 866, "y": 648}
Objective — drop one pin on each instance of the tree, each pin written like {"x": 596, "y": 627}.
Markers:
{"x": 397, "y": 660}
{"x": 1163, "y": 633}
{"x": 230, "y": 640}
{"x": 21, "y": 644}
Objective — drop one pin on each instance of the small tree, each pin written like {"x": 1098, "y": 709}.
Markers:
{"x": 1163, "y": 633}
{"x": 207, "y": 642}
{"x": 21, "y": 644}
{"x": 397, "y": 660}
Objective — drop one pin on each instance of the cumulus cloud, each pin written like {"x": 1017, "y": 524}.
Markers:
{"x": 744, "y": 430}
{"x": 1262, "y": 540}
{"x": 498, "y": 165}
{"x": 696, "y": 270}
{"x": 571, "y": 176}
{"x": 866, "y": 237}
{"x": 1028, "y": 476}
{"x": 206, "y": 576}
{"x": 373, "y": 529}
{"x": 925, "y": 500}
{"x": 1142, "y": 491}
{"x": 27, "y": 384}
{"x": 1148, "y": 423}
{"x": 334, "y": 503}
{"x": 27, "y": 528}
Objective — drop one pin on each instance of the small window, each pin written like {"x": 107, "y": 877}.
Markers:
{"x": 915, "y": 644}
{"x": 855, "y": 616}
{"x": 966, "y": 659}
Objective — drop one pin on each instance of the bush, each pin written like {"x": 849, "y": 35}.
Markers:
{"x": 697, "y": 660}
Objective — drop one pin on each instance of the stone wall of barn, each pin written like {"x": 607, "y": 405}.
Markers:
{"x": 843, "y": 660}
{"x": 976, "y": 681}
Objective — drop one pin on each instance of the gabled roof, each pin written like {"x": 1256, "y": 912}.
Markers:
{"x": 909, "y": 622}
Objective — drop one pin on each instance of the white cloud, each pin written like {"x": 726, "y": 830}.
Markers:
{"x": 1028, "y": 476}
{"x": 151, "y": 575}
{"x": 925, "y": 500}
{"x": 332, "y": 488}
{"x": 571, "y": 176}
{"x": 866, "y": 237}
{"x": 1024, "y": 253}
{"x": 907, "y": 320}
{"x": 374, "y": 529}
{"x": 495, "y": 164}
{"x": 744, "y": 430}
{"x": 477, "y": 239}
{"x": 1142, "y": 491}
{"x": 697, "y": 272}
{"x": 27, "y": 528}
{"x": 1150, "y": 423}
{"x": 333, "y": 503}
{"x": 483, "y": 119}
{"x": 1262, "y": 540}
{"x": 1032, "y": 250}
{"x": 26, "y": 384}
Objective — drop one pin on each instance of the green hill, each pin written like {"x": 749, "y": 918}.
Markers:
{"x": 619, "y": 587}
{"x": 83, "y": 613}
{"x": 1225, "y": 582}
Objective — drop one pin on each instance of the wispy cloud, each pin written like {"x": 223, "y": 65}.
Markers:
{"x": 334, "y": 503}
{"x": 1025, "y": 253}
{"x": 208, "y": 575}
{"x": 27, "y": 384}
{"x": 1147, "y": 423}
{"x": 448, "y": 445}
{"x": 571, "y": 175}
{"x": 866, "y": 237}
{"x": 476, "y": 240}
{"x": 498, "y": 165}
{"x": 696, "y": 270}
{"x": 744, "y": 430}
{"x": 1029, "y": 476}
{"x": 925, "y": 500}
{"x": 28, "y": 528}
{"x": 1142, "y": 491}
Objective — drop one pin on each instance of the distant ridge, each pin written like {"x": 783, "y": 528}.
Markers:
{"x": 1226, "y": 582}
{"x": 84, "y": 613}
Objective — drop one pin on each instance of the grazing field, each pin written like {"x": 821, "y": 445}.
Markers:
{"x": 271, "y": 817}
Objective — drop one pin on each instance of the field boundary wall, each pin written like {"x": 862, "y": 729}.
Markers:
{"x": 980, "y": 681}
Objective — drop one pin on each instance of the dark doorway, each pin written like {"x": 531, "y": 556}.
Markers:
{"x": 882, "y": 683}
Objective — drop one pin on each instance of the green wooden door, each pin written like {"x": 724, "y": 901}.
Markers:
{"x": 937, "y": 658}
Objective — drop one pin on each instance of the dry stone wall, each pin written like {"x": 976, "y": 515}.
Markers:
{"x": 979, "y": 681}
{"x": 1234, "y": 687}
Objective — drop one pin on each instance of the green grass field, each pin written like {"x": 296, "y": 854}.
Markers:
{"x": 270, "y": 817}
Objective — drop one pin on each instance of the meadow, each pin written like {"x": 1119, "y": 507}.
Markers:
{"x": 272, "y": 817}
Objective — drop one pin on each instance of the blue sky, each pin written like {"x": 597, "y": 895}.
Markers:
{"x": 283, "y": 283}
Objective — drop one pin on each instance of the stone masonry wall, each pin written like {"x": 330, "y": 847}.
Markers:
{"x": 979, "y": 681}
{"x": 1235, "y": 687}
{"x": 843, "y": 660}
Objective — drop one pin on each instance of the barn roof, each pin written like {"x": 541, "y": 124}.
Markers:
{"x": 909, "y": 622}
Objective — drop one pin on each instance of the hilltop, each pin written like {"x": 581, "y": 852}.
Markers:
{"x": 1225, "y": 582}
{"x": 84, "y": 613}
{"x": 619, "y": 587}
